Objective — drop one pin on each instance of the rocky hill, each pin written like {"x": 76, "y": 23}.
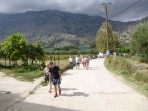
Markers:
{"x": 62, "y": 26}
{"x": 124, "y": 35}
{"x": 61, "y": 40}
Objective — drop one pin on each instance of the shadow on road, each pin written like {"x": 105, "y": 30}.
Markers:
{"x": 26, "y": 106}
{"x": 67, "y": 74}
{"x": 67, "y": 89}
{"x": 7, "y": 99}
{"x": 76, "y": 94}
{"x": 13, "y": 102}
{"x": 94, "y": 68}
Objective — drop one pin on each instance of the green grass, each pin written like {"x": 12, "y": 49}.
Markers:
{"x": 31, "y": 72}
{"x": 43, "y": 83}
{"x": 25, "y": 76}
{"x": 31, "y": 92}
{"x": 129, "y": 71}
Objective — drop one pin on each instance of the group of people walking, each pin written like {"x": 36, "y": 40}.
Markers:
{"x": 84, "y": 60}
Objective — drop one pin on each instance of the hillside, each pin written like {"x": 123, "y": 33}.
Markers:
{"x": 124, "y": 35}
{"x": 61, "y": 40}
{"x": 35, "y": 25}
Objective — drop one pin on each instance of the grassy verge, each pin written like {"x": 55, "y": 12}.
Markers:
{"x": 131, "y": 73}
{"x": 23, "y": 76}
{"x": 43, "y": 83}
{"x": 31, "y": 72}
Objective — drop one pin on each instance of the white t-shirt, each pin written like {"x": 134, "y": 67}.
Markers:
{"x": 85, "y": 59}
{"x": 46, "y": 71}
{"x": 77, "y": 60}
{"x": 70, "y": 59}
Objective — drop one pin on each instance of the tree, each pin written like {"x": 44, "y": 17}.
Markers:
{"x": 2, "y": 52}
{"x": 93, "y": 45}
{"x": 34, "y": 52}
{"x": 13, "y": 47}
{"x": 116, "y": 39}
{"x": 139, "y": 42}
{"x": 40, "y": 52}
{"x": 101, "y": 38}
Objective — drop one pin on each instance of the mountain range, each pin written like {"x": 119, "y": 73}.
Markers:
{"x": 55, "y": 28}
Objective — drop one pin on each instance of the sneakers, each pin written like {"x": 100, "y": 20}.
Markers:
{"x": 60, "y": 92}
{"x": 56, "y": 95}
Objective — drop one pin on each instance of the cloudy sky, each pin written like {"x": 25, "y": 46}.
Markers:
{"x": 89, "y": 7}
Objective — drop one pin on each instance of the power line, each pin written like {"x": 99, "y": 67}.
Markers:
{"x": 125, "y": 9}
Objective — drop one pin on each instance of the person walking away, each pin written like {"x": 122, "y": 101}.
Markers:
{"x": 55, "y": 78}
{"x": 77, "y": 62}
{"x": 71, "y": 62}
{"x": 46, "y": 74}
{"x": 82, "y": 61}
{"x": 87, "y": 62}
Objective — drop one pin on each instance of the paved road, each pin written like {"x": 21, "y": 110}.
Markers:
{"x": 86, "y": 90}
{"x": 12, "y": 90}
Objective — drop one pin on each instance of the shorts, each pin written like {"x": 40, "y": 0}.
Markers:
{"x": 78, "y": 64}
{"x": 56, "y": 81}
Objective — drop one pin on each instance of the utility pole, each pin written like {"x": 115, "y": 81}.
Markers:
{"x": 106, "y": 17}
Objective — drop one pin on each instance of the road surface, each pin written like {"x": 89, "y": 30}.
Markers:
{"x": 86, "y": 90}
{"x": 13, "y": 91}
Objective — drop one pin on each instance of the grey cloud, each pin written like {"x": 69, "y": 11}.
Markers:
{"x": 89, "y": 7}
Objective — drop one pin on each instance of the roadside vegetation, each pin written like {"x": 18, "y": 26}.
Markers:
{"x": 75, "y": 50}
{"x": 26, "y": 61}
{"x": 134, "y": 66}
{"x": 102, "y": 37}
{"x": 134, "y": 72}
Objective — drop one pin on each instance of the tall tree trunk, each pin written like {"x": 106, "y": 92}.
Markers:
{"x": 27, "y": 61}
{"x": 16, "y": 63}
{"x": 32, "y": 62}
{"x": 5, "y": 61}
{"x": 9, "y": 61}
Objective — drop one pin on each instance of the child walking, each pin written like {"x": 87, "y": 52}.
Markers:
{"x": 47, "y": 79}
{"x": 55, "y": 78}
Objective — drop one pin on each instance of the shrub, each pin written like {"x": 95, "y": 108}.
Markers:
{"x": 139, "y": 43}
{"x": 128, "y": 70}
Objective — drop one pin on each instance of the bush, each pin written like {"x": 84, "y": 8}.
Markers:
{"x": 129, "y": 71}
{"x": 20, "y": 70}
{"x": 124, "y": 67}
{"x": 124, "y": 49}
{"x": 139, "y": 43}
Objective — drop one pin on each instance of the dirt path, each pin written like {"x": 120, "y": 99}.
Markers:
{"x": 86, "y": 90}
